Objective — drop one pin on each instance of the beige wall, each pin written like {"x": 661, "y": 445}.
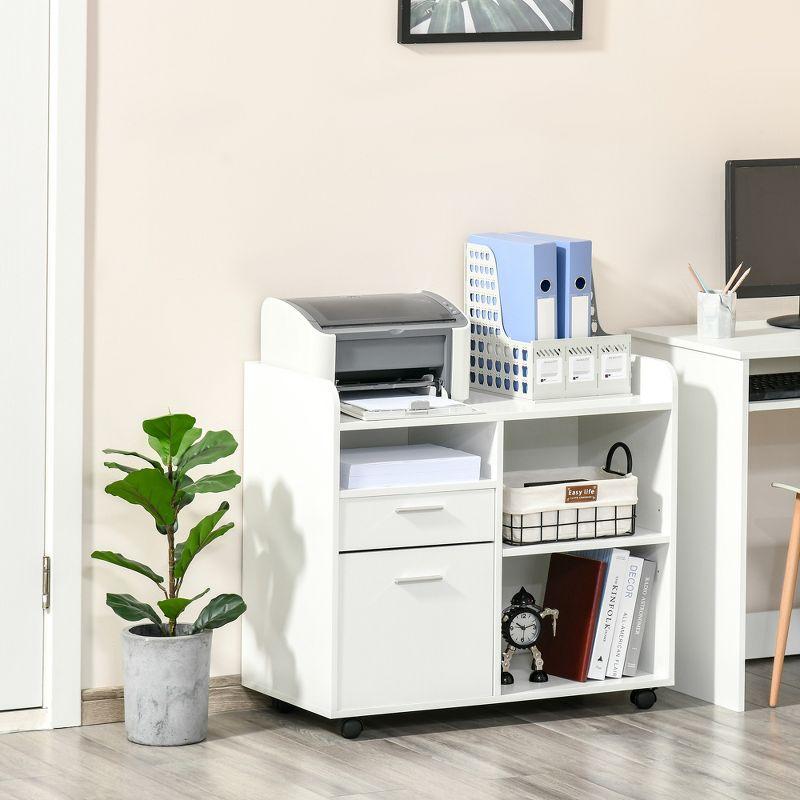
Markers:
{"x": 249, "y": 148}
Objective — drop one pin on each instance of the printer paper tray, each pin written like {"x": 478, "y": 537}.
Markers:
{"x": 447, "y": 411}
{"x": 389, "y": 405}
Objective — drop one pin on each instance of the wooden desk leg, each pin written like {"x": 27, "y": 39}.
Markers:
{"x": 787, "y": 600}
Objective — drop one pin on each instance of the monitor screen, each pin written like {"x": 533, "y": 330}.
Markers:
{"x": 763, "y": 225}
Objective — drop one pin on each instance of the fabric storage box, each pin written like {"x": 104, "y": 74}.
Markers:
{"x": 571, "y": 503}
{"x": 406, "y": 465}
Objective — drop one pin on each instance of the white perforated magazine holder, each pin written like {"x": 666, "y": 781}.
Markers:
{"x": 570, "y": 503}
{"x": 548, "y": 369}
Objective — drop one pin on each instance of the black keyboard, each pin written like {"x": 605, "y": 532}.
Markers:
{"x": 778, "y": 386}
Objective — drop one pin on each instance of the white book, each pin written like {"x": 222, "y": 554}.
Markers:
{"x": 643, "y": 604}
{"x": 616, "y": 562}
{"x": 626, "y": 612}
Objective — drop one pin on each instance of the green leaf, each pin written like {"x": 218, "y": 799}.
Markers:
{"x": 127, "y": 563}
{"x": 149, "y": 488}
{"x": 160, "y": 448}
{"x": 184, "y": 500}
{"x": 114, "y": 465}
{"x": 213, "y": 446}
{"x": 199, "y": 537}
{"x": 213, "y": 483}
{"x": 189, "y": 438}
{"x": 131, "y": 609}
{"x": 188, "y": 552}
{"x": 168, "y": 432}
{"x": 150, "y": 461}
{"x": 175, "y": 606}
{"x": 182, "y": 497}
{"x": 220, "y": 611}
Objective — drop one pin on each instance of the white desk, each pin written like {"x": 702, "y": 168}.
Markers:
{"x": 712, "y": 491}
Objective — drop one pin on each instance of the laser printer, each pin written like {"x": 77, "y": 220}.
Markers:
{"x": 371, "y": 342}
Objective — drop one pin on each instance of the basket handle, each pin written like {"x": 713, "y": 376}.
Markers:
{"x": 629, "y": 465}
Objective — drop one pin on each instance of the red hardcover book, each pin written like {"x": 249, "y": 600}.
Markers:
{"x": 574, "y": 587}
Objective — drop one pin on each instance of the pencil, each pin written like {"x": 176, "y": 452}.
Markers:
{"x": 732, "y": 279}
{"x": 741, "y": 280}
{"x": 697, "y": 280}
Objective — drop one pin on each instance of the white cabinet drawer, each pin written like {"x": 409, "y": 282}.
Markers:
{"x": 413, "y": 520}
{"x": 415, "y": 627}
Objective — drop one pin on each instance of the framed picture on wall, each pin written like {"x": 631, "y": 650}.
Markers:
{"x": 422, "y": 21}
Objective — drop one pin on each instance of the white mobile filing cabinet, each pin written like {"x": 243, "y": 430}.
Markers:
{"x": 372, "y": 601}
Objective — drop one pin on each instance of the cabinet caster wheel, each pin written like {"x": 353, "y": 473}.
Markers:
{"x": 351, "y": 728}
{"x": 281, "y": 706}
{"x": 643, "y": 698}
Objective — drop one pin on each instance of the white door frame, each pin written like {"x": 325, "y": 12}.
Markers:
{"x": 64, "y": 403}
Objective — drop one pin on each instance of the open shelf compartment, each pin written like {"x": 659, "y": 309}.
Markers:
{"x": 481, "y": 439}
{"x": 584, "y": 441}
{"x": 656, "y": 660}
{"x": 572, "y": 442}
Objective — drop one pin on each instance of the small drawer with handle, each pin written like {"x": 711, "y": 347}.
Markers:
{"x": 416, "y": 519}
{"x": 416, "y": 627}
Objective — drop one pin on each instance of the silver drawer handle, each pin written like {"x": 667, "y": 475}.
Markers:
{"x": 417, "y": 509}
{"x": 419, "y": 579}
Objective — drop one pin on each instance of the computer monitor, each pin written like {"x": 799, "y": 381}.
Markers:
{"x": 762, "y": 228}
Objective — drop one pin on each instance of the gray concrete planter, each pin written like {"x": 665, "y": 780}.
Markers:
{"x": 166, "y": 685}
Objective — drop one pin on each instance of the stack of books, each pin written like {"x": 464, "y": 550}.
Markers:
{"x": 603, "y": 598}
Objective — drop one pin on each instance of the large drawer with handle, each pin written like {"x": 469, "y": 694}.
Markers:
{"x": 416, "y": 627}
{"x": 416, "y": 519}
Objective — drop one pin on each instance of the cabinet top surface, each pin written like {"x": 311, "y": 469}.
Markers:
{"x": 752, "y": 340}
{"x": 493, "y": 408}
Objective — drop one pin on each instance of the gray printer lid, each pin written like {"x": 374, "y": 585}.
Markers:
{"x": 376, "y": 309}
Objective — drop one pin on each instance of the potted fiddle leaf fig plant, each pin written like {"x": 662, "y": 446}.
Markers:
{"x": 166, "y": 663}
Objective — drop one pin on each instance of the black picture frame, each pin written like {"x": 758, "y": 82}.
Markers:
{"x": 404, "y": 35}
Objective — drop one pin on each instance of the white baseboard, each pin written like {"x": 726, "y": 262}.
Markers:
{"x": 761, "y": 628}
{"x": 225, "y": 693}
{"x": 29, "y": 719}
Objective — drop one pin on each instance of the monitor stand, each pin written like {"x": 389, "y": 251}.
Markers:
{"x": 786, "y": 321}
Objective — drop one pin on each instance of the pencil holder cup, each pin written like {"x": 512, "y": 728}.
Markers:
{"x": 716, "y": 315}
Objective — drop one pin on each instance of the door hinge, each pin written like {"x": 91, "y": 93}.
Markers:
{"x": 45, "y": 582}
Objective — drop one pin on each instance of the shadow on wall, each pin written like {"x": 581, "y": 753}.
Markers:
{"x": 280, "y": 558}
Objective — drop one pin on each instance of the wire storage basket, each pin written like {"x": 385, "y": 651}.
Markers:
{"x": 570, "y": 504}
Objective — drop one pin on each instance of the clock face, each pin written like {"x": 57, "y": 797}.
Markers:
{"x": 524, "y": 628}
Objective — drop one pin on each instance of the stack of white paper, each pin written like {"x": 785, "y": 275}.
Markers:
{"x": 407, "y": 465}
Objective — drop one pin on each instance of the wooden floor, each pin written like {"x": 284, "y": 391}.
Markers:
{"x": 596, "y": 748}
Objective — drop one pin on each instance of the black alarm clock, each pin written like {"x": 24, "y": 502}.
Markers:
{"x": 521, "y": 625}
